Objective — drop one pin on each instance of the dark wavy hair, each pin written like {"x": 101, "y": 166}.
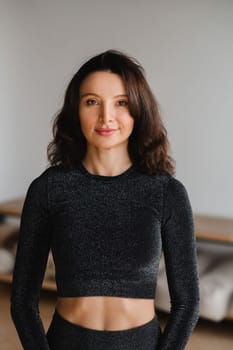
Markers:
{"x": 148, "y": 144}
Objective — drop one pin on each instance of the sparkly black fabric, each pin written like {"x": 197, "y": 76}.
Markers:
{"x": 106, "y": 234}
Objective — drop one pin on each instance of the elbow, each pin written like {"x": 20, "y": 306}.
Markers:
{"x": 16, "y": 311}
{"x": 21, "y": 310}
{"x": 188, "y": 308}
{"x": 192, "y": 303}
{"x": 194, "y": 309}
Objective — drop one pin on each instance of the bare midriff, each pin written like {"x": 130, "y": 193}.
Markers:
{"x": 106, "y": 312}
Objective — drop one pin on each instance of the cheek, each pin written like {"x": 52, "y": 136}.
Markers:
{"x": 86, "y": 120}
{"x": 130, "y": 122}
{"x": 86, "y": 126}
{"x": 126, "y": 118}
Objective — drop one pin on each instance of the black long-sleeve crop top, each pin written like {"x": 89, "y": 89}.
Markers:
{"x": 106, "y": 234}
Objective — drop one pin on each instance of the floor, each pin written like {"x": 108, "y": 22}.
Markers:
{"x": 206, "y": 336}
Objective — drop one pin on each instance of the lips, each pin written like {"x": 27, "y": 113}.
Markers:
{"x": 105, "y": 130}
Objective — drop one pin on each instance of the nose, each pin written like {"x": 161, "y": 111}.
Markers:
{"x": 106, "y": 112}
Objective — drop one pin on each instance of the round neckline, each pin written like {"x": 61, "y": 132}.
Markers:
{"x": 125, "y": 173}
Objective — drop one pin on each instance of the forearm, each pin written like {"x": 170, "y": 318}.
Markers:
{"x": 180, "y": 325}
{"x": 29, "y": 326}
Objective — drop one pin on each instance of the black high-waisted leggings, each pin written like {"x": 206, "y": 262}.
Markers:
{"x": 65, "y": 335}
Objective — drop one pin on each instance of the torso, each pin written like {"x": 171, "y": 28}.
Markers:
{"x": 98, "y": 248}
{"x": 106, "y": 312}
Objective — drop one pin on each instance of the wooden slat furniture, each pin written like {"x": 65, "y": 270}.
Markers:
{"x": 214, "y": 228}
{"x": 49, "y": 285}
{"x": 14, "y": 208}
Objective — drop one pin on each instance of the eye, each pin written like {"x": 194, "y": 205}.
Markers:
{"x": 91, "y": 101}
{"x": 123, "y": 103}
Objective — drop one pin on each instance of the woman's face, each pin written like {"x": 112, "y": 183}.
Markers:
{"x": 104, "y": 104}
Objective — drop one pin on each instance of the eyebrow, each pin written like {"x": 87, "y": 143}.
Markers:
{"x": 92, "y": 93}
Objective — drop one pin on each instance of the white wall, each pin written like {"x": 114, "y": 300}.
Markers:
{"x": 186, "y": 49}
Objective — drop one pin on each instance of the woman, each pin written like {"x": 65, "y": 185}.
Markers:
{"x": 107, "y": 206}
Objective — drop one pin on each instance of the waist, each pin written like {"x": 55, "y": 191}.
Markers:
{"x": 106, "y": 312}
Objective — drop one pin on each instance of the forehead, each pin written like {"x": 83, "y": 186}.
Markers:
{"x": 103, "y": 82}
